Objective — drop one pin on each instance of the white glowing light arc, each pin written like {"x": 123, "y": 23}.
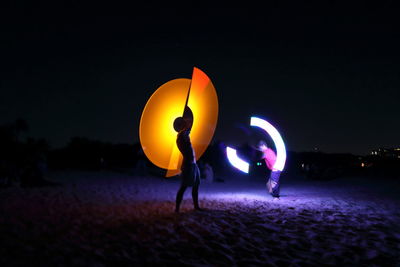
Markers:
{"x": 276, "y": 138}
{"x": 236, "y": 161}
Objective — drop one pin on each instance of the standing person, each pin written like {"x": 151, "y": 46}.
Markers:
{"x": 190, "y": 174}
{"x": 269, "y": 156}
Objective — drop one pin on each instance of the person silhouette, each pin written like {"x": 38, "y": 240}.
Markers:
{"x": 190, "y": 173}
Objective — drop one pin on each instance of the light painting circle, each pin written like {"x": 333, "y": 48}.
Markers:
{"x": 156, "y": 133}
{"x": 269, "y": 129}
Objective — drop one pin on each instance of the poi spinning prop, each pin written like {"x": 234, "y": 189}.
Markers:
{"x": 156, "y": 131}
{"x": 242, "y": 165}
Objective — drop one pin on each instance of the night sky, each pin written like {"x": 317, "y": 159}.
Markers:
{"x": 326, "y": 75}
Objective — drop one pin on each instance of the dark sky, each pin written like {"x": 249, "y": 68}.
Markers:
{"x": 326, "y": 75}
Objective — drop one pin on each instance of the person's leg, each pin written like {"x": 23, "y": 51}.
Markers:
{"x": 269, "y": 185}
{"x": 195, "y": 189}
{"x": 275, "y": 185}
{"x": 195, "y": 196}
{"x": 179, "y": 197}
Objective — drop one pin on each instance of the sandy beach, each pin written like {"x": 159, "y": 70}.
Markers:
{"x": 105, "y": 218}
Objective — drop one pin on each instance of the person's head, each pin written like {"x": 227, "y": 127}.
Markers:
{"x": 262, "y": 145}
{"x": 180, "y": 124}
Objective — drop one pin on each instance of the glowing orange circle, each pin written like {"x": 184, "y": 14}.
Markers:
{"x": 156, "y": 132}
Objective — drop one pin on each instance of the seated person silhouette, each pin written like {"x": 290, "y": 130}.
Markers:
{"x": 190, "y": 175}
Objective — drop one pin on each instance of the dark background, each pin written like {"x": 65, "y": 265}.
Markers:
{"x": 326, "y": 74}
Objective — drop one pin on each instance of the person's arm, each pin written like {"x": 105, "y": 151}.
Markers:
{"x": 188, "y": 116}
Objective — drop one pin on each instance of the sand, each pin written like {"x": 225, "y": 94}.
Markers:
{"x": 110, "y": 219}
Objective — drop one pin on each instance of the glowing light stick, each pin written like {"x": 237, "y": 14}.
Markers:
{"x": 276, "y": 138}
